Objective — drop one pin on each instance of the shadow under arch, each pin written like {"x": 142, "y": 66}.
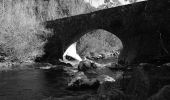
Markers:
{"x": 74, "y": 38}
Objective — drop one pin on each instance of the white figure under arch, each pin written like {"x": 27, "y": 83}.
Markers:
{"x": 71, "y": 52}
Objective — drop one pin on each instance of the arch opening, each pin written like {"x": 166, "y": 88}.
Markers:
{"x": 98, "y": 45}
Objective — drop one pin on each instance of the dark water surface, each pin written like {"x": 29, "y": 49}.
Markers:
{"x": 35, "y": 84}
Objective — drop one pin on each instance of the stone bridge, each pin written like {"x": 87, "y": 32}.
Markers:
{"x": 143, "y": 28}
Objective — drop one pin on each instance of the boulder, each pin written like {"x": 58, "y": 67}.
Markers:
{"x": 163, "y": 94}
{"x": 80, "y": 81}
{"x": 110, "y": 91}
{"x": 147, "y": 66}
{"x": 85, "y": 65}
{"x": 166, "y": 64}
{"x": 91, "y": 74}
{"x": 138, "y": 86}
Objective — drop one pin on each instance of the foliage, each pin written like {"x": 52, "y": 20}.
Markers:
{"x": 98, "y": 42}
{"x": 55, "y": 9}
{"x": 22, "y": 36}
{"x": 19, "y": 30}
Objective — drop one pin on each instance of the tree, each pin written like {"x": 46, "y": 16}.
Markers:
{"x": 98, "y": 42}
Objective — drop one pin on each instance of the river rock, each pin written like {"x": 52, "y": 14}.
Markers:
{"x": 147, "y": 66}
{"x": 163, "y": 94}
{"x": 166, "y": 64}
{"x": 110, "y": 91}
{"x": 85, "y": 65}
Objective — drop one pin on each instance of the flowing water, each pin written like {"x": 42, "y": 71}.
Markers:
{"x": 36, "y": 84}
{"x": 42, "y": 84}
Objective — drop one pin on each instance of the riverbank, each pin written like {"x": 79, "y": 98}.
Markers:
{"x": 8, "y": 66}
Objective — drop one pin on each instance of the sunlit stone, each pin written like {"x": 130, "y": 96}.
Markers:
{"x": 71, "y": 52}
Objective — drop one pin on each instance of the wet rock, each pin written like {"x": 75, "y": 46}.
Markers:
{"x": 4, "y": 66}
{"x": 3, "y": 57}
{"x": 90, "y": 72}
{"x": 163, "y": 94}
{"x": 138, "y": 87}
{"x": 163, "y": 70}
{"x": 166, "y": 64}
{"x": 115, "y": 66}
{"x": 93, "y": 78}
{"x": 110, "y": 91}
{"x": 86, "y": 65}
{"x": 160, "y": 60}
{"x": 147, "y": 66}
{"x": 70, "y": 71}
{"x": 80, "y": 81}
{"x": 105, "y": 78}
{"x": 81, "y": 97}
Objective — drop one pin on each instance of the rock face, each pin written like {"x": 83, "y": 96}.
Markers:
{"x": 138, "y": 87}
{"x": 80, "y": 81}
{"x": 108, "y": 91}
{"x": 86, "y": 65}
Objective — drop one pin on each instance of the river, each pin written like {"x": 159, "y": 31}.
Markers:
{"x": 36, "y": 84}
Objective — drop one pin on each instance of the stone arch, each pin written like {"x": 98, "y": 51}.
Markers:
{"x": 100, "y": 42}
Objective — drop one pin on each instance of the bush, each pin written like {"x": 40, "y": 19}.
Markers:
{"x": 19, "y": 30}
{"x": 98, "y": 42}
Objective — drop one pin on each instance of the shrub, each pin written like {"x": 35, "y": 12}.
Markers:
{"x": 98, "y": 42}
{"x": 19, "y": 30}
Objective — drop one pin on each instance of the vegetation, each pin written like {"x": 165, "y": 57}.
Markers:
{"x": 98, "y": 42}
{"x": 22, "y": 36}
{"x": 19, "y": 30}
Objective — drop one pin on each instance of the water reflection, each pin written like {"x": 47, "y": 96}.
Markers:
{"x": 35, "y": 85}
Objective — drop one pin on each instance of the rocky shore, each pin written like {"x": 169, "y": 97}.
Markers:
{"x": 112, "y": 81}
{"x": 143, "y": 81}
